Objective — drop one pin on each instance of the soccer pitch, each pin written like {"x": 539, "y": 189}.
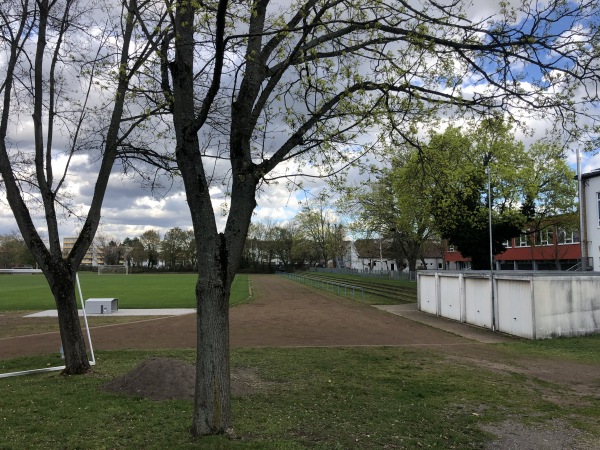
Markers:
{"x": 143, "y": 291}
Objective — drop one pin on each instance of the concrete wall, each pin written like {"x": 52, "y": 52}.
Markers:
{"x": 532, "y": 305}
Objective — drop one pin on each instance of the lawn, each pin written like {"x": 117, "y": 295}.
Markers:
{"x": 31, "y": 292}
{"x": 301, "y": 398}
{"x": 346, "y": 398}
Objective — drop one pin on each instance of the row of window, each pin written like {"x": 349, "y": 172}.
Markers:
{"x": 544, "y": 237}
{"x": 541, "y": 238}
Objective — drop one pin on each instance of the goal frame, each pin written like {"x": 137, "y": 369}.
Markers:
{"x": 109, "y": 267}
{"x": 87, "y": 329}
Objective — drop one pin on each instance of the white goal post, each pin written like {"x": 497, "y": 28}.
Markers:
{"x": 87, "y": 328}
{"x": 116, "y": 269}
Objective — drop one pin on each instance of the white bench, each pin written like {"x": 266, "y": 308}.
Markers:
{"x": 101, "y": 305}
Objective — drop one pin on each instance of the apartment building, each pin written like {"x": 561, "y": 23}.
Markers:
{"x": 93, "y": 257}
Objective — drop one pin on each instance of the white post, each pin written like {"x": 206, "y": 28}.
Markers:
{"x": 582, "y": 229}
{"x": 489, "y": 180}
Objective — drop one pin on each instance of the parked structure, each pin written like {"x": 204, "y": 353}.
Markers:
{"x": 532, "y": 305}
{"x": 591, "y": 217}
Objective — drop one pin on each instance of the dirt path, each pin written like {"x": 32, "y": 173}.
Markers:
{"x": 284, "y": 313}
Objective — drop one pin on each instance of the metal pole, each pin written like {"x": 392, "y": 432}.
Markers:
{"x": 582, "y": 230}
{"x": 380, "y": 254}
{"x": 489, "y": 180}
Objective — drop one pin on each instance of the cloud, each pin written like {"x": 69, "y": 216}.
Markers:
{"x": 129, "y": 209}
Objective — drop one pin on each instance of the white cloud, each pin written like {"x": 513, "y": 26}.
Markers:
{"x": 129, "y": 210}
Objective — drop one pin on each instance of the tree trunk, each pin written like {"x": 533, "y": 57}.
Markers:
{"x": 212, "y": 412}
{"x": 62, "y": 285}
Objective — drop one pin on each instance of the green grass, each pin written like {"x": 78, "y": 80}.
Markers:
{"x": 369, "y": 295}
{"x": 31, "y": 292}
{"x": 583, "y": 349}
{"x": 351, "y": 398}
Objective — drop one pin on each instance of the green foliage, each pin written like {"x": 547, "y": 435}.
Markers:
{"x": 14, "y": 252}
{"x": 528, "y": 186}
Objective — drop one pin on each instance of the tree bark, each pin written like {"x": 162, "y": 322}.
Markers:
{"x": 212, "y": 412}
{"x": 62, "y": 284}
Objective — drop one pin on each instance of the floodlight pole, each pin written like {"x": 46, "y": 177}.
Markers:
{"x": 582, "y": 229}
{"x": 489, "y": 186}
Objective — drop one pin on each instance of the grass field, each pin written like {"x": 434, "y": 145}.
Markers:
{"x": 31, "y": 292}
{"x": 351, "y": 398}
{"x": 302, "y": 398}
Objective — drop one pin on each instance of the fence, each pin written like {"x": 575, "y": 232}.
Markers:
{"x": 390, "y": 274}
{"x": 341, "y": 289}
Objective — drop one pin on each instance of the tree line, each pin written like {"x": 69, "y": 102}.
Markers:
{"x": 175, "y": 251}
{"x": 14, "y": 252}
{"x": 314, "y": 237}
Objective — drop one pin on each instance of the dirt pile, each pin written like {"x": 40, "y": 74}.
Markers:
{"x": 173, "y": 379}
{"x": 157, "y": 379}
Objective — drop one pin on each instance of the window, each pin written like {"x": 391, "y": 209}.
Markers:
{"x": 598, "y": 195}
{"x": 507, "y": 243}
{"x": 525, "y": 240}
{"x": 568, "y": 237}
{"x": 545, "y": 237}
{"x": 451, "y": 248}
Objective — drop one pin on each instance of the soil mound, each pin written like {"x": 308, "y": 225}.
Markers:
{"x": 157, "y": 379}
{"x": 173, "y": 379}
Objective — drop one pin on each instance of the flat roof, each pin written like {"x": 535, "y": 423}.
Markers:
{"x": 594, "y": 173}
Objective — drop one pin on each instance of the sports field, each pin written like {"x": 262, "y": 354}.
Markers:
{"x": 145, "y": 291}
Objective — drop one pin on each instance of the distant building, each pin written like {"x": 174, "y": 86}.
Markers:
{"x": 373, "y": 255}
{"x": 93, "y": 257}
{"x": 553, "y": 248}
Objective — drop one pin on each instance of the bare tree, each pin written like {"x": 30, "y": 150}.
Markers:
{"x": 317, "y": 223}
{"x": 61, "y": 58}
{"x": 252, "y": 87}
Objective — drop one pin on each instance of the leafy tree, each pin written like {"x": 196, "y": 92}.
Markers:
{"x": 258, "y": 249}
{"x": 283, "y": 244}
{"x": 150, "y": 241}
{"x": 66, "y": 69}
{"x": 135, "y": 253}
{"x": 394, "y": 208}
{"x": 316, "y": 223}
{"x": 112, "y": 253}
{"x": 250, "y": 86}
{"x": 523, "y": 188}
{"x": 14, "y": 252}
{"x": 189, "y": 249}
{"x": 304, "y": 252}
{"x": 172, "y": 247}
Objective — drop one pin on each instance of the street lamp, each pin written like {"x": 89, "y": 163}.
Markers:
{"x": 489, "y": 186}
{"x": 582, "y": 229}
{"x": 488, "y": 172}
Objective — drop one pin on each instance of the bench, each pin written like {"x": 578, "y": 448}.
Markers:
{"x": 101, "y": 305}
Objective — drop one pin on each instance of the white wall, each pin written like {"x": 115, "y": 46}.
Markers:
{"x": 532, "y": 305}
{"x": 592, "y": 188}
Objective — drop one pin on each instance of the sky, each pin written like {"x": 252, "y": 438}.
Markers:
{"x": 130, "y": 209}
